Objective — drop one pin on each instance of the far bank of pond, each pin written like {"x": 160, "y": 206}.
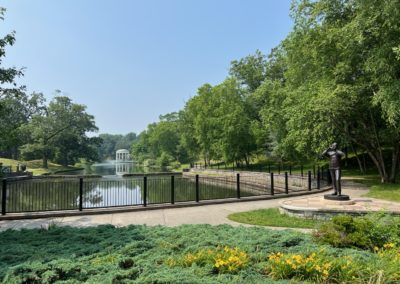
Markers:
{"x": 112, "y": 168}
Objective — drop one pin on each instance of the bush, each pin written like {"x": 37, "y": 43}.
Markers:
{"x": 365, "y": 232}
{"x": 149, "y": 163}
{"x": 222, "y": 260}
{"x": 164, "y": 160}
{"x": 322, "y": 267}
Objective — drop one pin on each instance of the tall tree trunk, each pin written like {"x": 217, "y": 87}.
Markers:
{"x": 45, "y": 156}
{"x": 44, "y": 161}
{"x": 379, "y": 162}
{"x": 362, "y": 169}
{"x": 395, "y": 159}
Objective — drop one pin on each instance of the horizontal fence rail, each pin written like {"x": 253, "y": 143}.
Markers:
{"x": 72, "y": 193}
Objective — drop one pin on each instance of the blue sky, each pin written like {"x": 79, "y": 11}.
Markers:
{"x": 130, "y": 61}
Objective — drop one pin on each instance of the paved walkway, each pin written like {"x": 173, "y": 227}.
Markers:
{"x": 208, "y": 214}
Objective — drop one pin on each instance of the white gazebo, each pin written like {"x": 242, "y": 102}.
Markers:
{"x": 122, "y": 155}
{"x": 123, "y": 168}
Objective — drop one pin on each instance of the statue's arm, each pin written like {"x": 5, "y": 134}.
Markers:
{"x": 340, "y": 153}
{"x": 324, "y": 154}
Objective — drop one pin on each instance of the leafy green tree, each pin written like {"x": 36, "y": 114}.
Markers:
{"x": 61, "y": 132}
{"x": 113, "y": 142}
{"x": 250, "y": 71}
{"x": 12, "y": 111}
{"x": 220, "y": 124}
{"x": 341, "y": 80}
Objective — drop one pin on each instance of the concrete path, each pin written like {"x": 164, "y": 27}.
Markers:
{"x": 208, "y": 214}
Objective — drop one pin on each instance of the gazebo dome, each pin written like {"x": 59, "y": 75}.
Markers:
{"x": 122, "y": 155}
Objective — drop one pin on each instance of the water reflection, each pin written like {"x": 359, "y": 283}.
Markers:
{"x": 64, "y": 193}
{"x": 123, "y": 168}
{"x": 112, "y": 192}
{"x": 110, "y": 168}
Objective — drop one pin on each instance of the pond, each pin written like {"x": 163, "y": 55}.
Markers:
{"x": 111, "y": 168}
{"x": 109, "y": 191}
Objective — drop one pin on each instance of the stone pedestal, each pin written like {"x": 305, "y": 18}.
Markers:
{"x": 337, "y": 197}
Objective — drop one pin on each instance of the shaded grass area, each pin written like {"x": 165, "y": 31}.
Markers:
{"x": 390, "y": 192}
{"x": 386, "y": 191}
{"x": 272, "y": 217}
{"x": 35, "y": 166}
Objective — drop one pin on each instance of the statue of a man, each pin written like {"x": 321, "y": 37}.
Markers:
{"x": 335, "y": 156}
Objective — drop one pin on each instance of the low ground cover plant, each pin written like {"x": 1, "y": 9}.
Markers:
{"x": 195, "y": 254}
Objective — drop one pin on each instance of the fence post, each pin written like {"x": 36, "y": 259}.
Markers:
{"x": 145, "y": 191}
{"x": 309, "y": 180}
{"x": 272, "y": 183}
{"x": 197, "y": 189}
{"x": 80, "y": 193}
{"x": 318, "y": 179}
{"x": 238, "y": 185}
{"x": 286, "y": 183}
{"x": 301, "y": 169}
{"x": 4, "y": 197}
{"x": 172, "y": 189}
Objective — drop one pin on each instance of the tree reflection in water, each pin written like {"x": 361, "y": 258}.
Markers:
{"x": 63, "y": 193}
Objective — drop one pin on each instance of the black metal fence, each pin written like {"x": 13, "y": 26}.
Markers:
{"x": 280, "y": 168}
{"x": 78, "y": 193}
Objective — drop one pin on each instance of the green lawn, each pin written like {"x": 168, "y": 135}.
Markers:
{"x": 388, "y": 191}
{"x": 272, "y": 217}
{"x": 35, "y": 166}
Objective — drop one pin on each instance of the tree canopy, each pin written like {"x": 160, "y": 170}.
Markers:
{"x": 335, "y": 77}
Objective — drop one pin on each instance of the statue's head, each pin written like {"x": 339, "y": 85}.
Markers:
{"x": 334, "y": 146}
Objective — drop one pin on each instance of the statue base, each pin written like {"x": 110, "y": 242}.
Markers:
{"x": 337, "y": 197}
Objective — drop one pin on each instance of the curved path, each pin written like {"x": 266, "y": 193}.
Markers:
{"x": 214, "y": 214}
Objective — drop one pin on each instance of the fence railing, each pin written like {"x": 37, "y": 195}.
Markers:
{"x": 73, "y": 193}
{"x": 276, "y": 168}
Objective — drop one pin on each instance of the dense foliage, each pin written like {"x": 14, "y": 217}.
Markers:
{"x": 187, "y": 254}
{"x": 36, "y": 130}
{"x": 110, "y": 143}
{"x": 334, "y": 78}
{"x": 370, "y": 232}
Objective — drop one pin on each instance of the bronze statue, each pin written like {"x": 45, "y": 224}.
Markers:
{"x": 335, "y": 156}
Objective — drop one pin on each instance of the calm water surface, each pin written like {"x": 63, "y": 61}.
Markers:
{"x": 110, "y": 190}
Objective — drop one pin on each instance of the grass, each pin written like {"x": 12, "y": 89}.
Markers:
{"x": 390, "y": 192}
{"x": 272, "y": 217}
{"x": 385, "y": 191}
{"x": 35, "y": 166}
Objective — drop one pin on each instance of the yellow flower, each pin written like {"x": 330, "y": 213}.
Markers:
{"x": 389, "y": 245}
{"x": 327, "y": 265}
